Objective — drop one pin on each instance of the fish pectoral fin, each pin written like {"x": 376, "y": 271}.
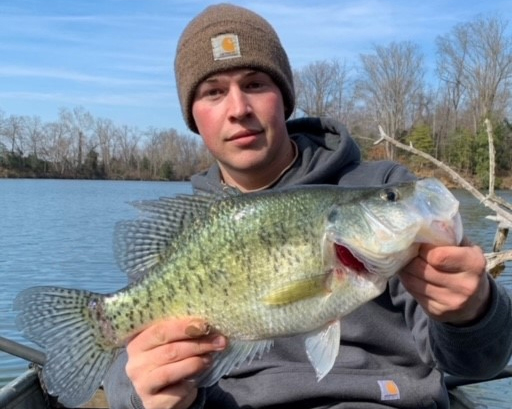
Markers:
{"x": 236, "y": 353}
{"x": 322, "y": 348}
{"x": 296, "y": 291}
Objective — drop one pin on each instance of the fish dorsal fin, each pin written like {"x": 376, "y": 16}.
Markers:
{"x": 144, "y": 243}
{"x": 230, "y": 191}
{"x": 296, "y": 291}
{"x": 236, "y": 353}
{"x": 322, "y": 348}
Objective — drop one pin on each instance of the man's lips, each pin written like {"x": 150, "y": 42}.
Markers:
{"x": 244, "y": 134}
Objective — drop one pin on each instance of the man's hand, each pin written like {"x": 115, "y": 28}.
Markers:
{"x": 164, "y": 358}
{"x": 449, "y": 282}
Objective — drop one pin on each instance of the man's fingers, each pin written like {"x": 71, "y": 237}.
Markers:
{"x": 197, "y": 328}
{"x": 178, "y": 372}
{"x": 180, "y": 350}
{"x": 454, "y": 259}
{"x": 165, "y": 332}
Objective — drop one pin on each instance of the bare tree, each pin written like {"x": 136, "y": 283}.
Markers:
{"x": 57, "y": 147}
{"x": 322, "y": 90}
{"x": 34, "y": 134}
{"x": 128, "y": 140}
{"x": 390, "y": 81}
{"x": 171, "y": 154}
{"x": 450, "y": 71}
{"x": 188, "y": 156}
{"x": 475, "y": 62}
{"x": 155, "y": 151}
{"x": 2, "y": 124}
{"x": 79, "y": 124}
{"x": 12, "y": 132}
{"x": 104, "y": 133}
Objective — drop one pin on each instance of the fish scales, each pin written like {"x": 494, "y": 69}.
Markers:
{"x": 255, "y": 266}
{"x": 235, "y": 249}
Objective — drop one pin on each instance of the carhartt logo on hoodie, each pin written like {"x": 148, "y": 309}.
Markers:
{"x": 388, "y": 390}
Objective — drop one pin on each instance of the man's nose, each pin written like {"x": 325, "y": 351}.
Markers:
{"x": 240, "y": 105}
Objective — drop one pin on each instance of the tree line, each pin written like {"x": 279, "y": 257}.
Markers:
{"x": 387, "y": 87}
{"x": 471, "y": 81}
{"x": 78, "y": 145}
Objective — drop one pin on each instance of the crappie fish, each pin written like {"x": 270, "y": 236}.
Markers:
{"x": 256, "y": 266}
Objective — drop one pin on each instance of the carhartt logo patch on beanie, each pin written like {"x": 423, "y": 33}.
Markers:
{"x": 225, "y": 37}
{"x": 225, "y": 46}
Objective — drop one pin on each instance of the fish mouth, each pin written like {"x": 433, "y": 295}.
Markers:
{"x": 347, "y": 258}
{"x": 373, "y": 265}
{"x": 350, "y": 270}
{"x": 443, "y": 232}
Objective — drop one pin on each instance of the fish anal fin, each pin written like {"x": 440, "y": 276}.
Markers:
{"x": 322, "y": 348}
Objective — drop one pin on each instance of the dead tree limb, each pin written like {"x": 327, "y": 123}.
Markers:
{"x": 492, "y": 155}
{"x": 496, "y": 259}
{"x": 492, "y": 202}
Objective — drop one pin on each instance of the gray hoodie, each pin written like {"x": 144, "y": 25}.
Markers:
{"x": 391, "y": 353}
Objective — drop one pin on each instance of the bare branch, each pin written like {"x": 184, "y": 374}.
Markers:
{"x": 495, "y": 261}
{"x": 488, "y": 201}
{"x": 492, "y": 156}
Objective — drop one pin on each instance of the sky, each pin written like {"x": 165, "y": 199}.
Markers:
{"x": 114, "y": 58}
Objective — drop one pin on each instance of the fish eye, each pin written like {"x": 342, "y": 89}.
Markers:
{"x": 390, "y": 195}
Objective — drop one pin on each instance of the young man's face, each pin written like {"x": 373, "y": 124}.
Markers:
{"x": 240, "y": 116}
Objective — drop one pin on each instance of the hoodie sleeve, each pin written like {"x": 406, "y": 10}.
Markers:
{"x": 118, "y": 387}
{"x": 121, "y": 393}
{"x": 479, "y": 351}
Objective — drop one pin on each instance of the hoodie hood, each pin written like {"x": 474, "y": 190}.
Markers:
{"x": 325, "y": 152}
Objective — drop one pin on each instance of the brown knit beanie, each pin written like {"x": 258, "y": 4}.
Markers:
{"x": 225, "y": 37}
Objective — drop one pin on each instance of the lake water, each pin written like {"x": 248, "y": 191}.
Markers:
{"x": 59, "y": 232}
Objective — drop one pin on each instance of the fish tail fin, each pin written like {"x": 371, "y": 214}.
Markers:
{"x": 66, "y": 323}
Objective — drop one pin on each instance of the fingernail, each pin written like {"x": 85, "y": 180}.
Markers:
{"x": 207, "y": 359}
{"x": 197, "y": 329}
{"x": 219, "y": 343}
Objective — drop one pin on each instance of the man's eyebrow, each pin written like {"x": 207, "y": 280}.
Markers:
{"x": 218, "y": 76}
{"x": 214, "y": 78}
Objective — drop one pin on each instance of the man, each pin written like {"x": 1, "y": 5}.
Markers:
{"x": 443, "y": 313}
